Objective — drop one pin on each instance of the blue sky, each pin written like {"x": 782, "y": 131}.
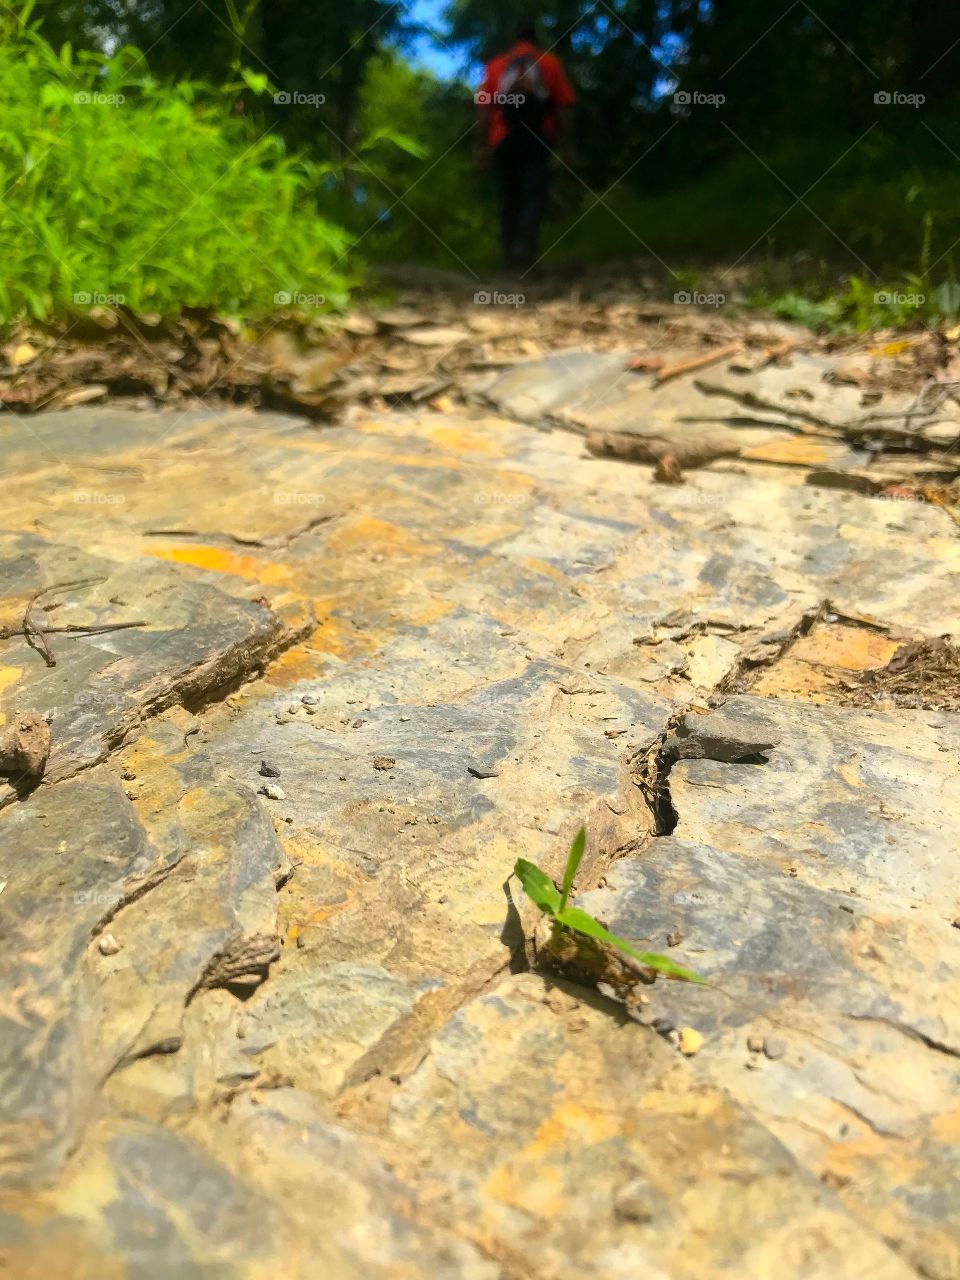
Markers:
{"x": 427, "y": 51}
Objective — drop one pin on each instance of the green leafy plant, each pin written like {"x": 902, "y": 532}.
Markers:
{"x": 553, "y": 902}
{"x": 157, "y": 196}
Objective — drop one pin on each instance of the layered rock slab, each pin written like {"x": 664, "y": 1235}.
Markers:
{"x": 498, "y": 634}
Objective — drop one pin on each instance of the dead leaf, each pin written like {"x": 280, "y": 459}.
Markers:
{"x": 81, "y": 395}
{"x": 399, "y": 318}
{"x": 435, "y": 336}
{"x": 360, "y": 326}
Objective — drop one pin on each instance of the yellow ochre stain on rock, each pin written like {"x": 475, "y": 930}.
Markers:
{"x": 358, "y": 453}
{"x": 8, "y": 676}
{"x": 569, "y": 1129}
{"x": 464, "y": 440}
{"x": 370, "y": 535}
{"x": 221, "y": 560}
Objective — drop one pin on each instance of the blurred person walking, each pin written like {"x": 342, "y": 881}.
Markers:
{"x": 524, "y": 111}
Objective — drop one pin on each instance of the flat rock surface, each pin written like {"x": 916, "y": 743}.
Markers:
{"x": 266, "y": 1006}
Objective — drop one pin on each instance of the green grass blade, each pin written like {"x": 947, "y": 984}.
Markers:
{"x": 538, "y": 886}
{"x": 575, "y": 918}
{"x": 574, "y": 858}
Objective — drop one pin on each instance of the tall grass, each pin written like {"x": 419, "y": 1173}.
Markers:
{"x": 116, "y": 188}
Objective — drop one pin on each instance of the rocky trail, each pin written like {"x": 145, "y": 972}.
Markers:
{"x": 313, "y": 685}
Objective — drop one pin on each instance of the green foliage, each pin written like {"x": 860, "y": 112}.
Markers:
{"x": 541, "y": 890}
{"x": 117, "y": 187}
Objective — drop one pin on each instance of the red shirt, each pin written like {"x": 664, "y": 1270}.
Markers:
{"x": 554, "y": 77}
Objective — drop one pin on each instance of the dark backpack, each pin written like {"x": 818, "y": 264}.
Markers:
{"x": 528, "y": 97}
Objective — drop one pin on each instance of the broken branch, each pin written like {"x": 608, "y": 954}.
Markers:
{"x": 698, "y": 362}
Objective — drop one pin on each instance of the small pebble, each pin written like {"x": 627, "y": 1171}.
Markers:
{"x": 674, "y": 938}
{"x": 755, "y": 1044}
{"x": 309, "y": 700}
{"x": 774, "y": 1048}
{"x": 273, "y": 792}
{"x": 268, "y": 770}
{"x": 128, "y": 775}
{"x": 292, "y": 710}
{"x": 383, "y": 763}
{"x": 691, "y": 1041}
{"x": 108, "y": 945}
{"x": 630, "y": 1205}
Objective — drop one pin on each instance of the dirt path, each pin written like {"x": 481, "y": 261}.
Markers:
{"x": 265, "y": 1004}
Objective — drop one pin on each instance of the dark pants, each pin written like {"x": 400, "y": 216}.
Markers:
{"x": 523, "y": 170}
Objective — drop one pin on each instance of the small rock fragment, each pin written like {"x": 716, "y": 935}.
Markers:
{"x": 108, "y": 945}
{"x": 774, "y": 1048}
{"x": 755, "y": 1044}
{"x": 268, "y": 770}
{"x": 674, "y": 938}
{"x": 383, "y": 763}
{"x": 309, "y": 700}
{"x": 691, "y": 1041}
{"x": 272, "y": 791}
{"x": 480, "y": 771}
{"x": 630, "y": 1204}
